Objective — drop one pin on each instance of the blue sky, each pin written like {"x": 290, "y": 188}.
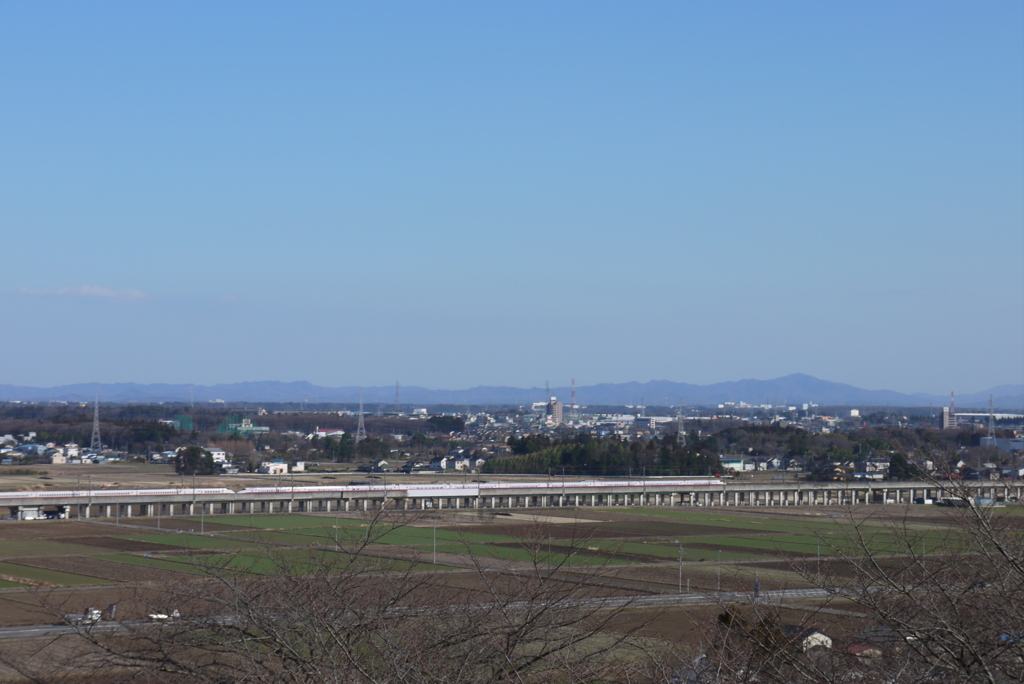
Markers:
{"x": 454, "y": 194}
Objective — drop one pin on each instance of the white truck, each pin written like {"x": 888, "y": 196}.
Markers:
{"x": 90, "y": 617}
{"x": 165, "y": 617}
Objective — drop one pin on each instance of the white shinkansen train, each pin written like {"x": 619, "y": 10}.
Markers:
{"x": 484, "y": 488}
{"x": 96, "y": 493}
{"x": 425, "y": 490}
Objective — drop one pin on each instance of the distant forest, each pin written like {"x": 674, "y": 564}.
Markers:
{"x": 586, "y": 455}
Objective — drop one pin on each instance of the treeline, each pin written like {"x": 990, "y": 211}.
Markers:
{"x": 586, "y": 455}
{"x": 766, "y": 441}
{"x": 610, "y": 456}
{"x": 343, "y": 449}
{"x": 132, "y": 435}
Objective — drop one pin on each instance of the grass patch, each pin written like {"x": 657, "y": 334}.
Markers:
{"x": 287, "y": 521}
{"x": 182, "y": 565}
{"x": 356, "y": 534}
{"x": 667, "y": 552}
{"x": 752, "y": 524}
{"x": 419, "y": 536}
{"x": 190, "y": 541}
{"x": 540, "y": 557}
{"x": 297, "y": 561}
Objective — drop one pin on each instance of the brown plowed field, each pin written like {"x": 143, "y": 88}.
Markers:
{"x": 611, "y": 530}
{"x": 110, "y": 570}
{"x": 171, "y": 524}
{"x": 123, "y": 544}
{"x": 711, "y": 548}
{"x": 47, "y": 607}
{"x": 47, "y": 529}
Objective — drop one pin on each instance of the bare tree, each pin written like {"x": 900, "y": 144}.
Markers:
{"x": 927, "y": 601}
{"x": 351, "y": 615}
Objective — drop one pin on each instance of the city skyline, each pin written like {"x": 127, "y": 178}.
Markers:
{"x": 458, "y": 195}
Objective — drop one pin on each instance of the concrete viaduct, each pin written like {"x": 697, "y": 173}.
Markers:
{"x": 710, "y": 492}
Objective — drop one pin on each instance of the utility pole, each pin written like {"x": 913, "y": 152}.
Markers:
{"x": 680, "y": 566}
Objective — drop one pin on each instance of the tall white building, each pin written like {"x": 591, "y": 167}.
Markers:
{"x": 948, "y": 418}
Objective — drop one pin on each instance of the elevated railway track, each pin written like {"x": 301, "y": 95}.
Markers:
{"x": 660, "y": 492}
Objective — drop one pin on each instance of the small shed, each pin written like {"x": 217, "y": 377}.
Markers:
{"x": 806, "y": 638}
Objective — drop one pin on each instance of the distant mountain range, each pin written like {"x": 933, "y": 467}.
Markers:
{"x": 791, "y": 389}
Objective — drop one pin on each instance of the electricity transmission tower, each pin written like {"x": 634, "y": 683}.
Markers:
{"x": 680, "y": 430}
{"x": 991, "y": 420}
{"x": 95, "y": 444}
{"x": 573, "y": 412}
{"x": 361, "y": 429}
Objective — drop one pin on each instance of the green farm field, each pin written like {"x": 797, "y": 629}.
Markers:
{"x": 641, "y": 547}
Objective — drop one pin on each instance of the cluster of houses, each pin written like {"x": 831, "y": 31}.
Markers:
{"x": 457, "y": 460}
{"x": 24, "y": 448}
{"x": 868, "y": 469}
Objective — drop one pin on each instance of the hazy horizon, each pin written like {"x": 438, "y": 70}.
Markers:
{"x": 794, "y": 389}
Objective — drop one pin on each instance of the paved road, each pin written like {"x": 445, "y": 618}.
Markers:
{"x": 649, "y": 601}
{"x": 708, "y": 598}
